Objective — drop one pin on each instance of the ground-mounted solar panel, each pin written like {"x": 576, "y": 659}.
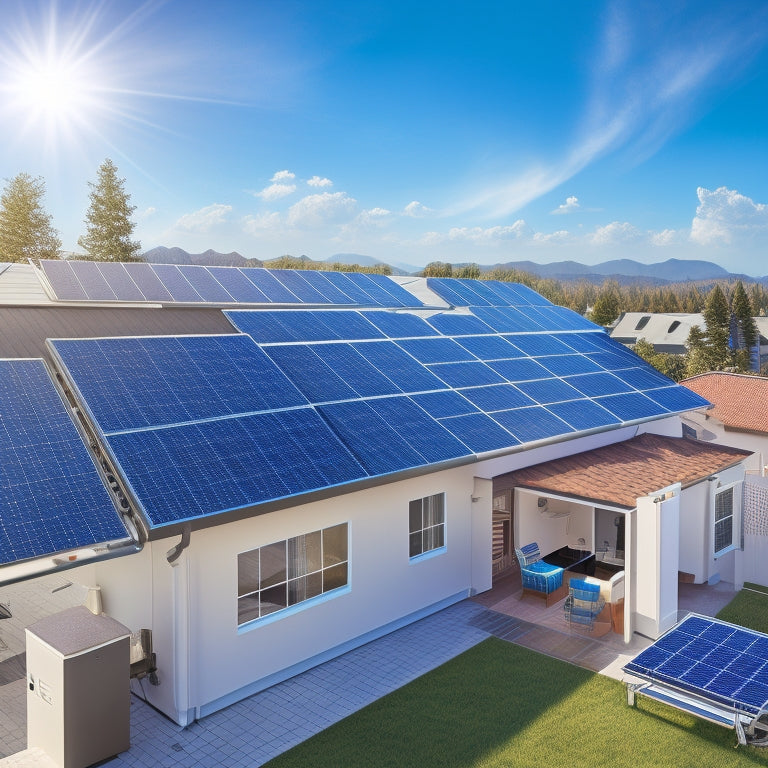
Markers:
{"x": 51, "y": 496}
{"x": 716, "y": 661}
{"x": 496, "y": 397}
{"x": 545, "y": 391}
{"x": 120, "y": 282}
{"x": 367, "y": 379}
{"x": 294, "y": 281}
{"x": 479, "y": 432}
{"x": 677, "y": 398}
{"x": 454, "y": 324}
{"x": 131, "y": 383}
{"x": 320, "y": 282}
{"x": 195, "y": 470}
{"x": 459, "y": 375}
{"x": 209, "y": 288}
{"x": 631, "y": 406}
{"x": 519, "y": 369}
{"x": 370, "y": 438}
{"x": 442, "y": 403}
{"x": 399, "y": 325}
{"x": 507, "y": 319}
{"x": 583, "y": 414}
{"x": 270, "y": 286}
{"x": 177, "y": 285}
{"x": 148, "y": 282}
{"x": 62, "y": 280}
{"x": 425, "y": 435}
{"x": 314, "y": 378}
{"x": 490, "y": 347}
{"x": 532, "y": 424}
{"x": 400, "y": 368}
{"x": 436, "y": 350}
{"x": 568, "y": 365}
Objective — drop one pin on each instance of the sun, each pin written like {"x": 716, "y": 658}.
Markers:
{"x": 53, "y": 91}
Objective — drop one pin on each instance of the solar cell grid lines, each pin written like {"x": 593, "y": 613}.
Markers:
{"x": 454, "y": 324}
{"x": 51, "y": 496}
{"x": 717, "y": 661}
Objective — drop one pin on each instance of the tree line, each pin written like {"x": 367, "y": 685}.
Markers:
{"x": 27, "y": 232}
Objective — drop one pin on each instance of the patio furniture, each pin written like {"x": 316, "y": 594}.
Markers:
{"x": 583, "y": 604}
{"x": 539, "y": 577}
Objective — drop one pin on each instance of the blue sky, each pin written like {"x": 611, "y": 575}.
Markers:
{"x": 453, "y": 131}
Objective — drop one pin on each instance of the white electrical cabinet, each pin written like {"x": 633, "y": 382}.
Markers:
{"x": 78, "y": 687}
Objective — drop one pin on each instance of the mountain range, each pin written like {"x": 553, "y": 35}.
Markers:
{"x": 624, "y": 271}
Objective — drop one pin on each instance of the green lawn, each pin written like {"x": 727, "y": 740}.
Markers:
{"x": 501, "y": 705}
{"x": 749, "y": 608}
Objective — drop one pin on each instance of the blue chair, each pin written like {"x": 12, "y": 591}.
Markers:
{"x": 583, "y": 604}
{"x": 539, "y": 578}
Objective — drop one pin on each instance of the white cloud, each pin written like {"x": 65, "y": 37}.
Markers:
{"x": 317, "y": 181}
{"x": 416, "y": 210}
{"x": 666, "y": 237}
{"x": 561, "y": 236}
{"x": 146, "y": 213}
{"x": 725, "y": 217}
{"x": 615, "y": 233}
{"x": 321, "y": 209}
{"x": 479, "y": 235}
{"x": 377, "y": 212}
{"x": 276, "y": 191}
{"x": 283, "y": 176}
{"x": 205, "y": 218}
{"x": 260, "y": 223}
{"x": 570, "y": 205}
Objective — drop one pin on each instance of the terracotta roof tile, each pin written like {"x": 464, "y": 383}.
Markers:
{"x": 618, "y": 474}
{"x": 741, "y": 402}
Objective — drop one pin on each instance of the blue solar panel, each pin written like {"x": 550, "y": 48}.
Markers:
{"x": 539, "y": 344}
{"x": 315, "y": 379}
{"x": 356, "y": 294}
{"x": 399, "y": 325}
{"x": 567, "y": 365}
{"x": 51, "y": 497}
{"x": 398, "y": 296}
{"x": 139, "y": 382}
{"x": 294, "y": 281}
{"x": 458, "y": 375}
{"x": 366, "y": 379}
{"x": 436, "y": 350}
{"x": 237, "y": 285}
{"x": 583, "y": 414}
{"x": 62, "y": 279}
{"x": 93, "y": 282}
{"x": 149, "y": 282}
{"x": 195, "y": 470}
{"x": 270, "y": 286}
{"x": 405, "y": 372}
{"x": 677, "y": 398}
{"x": 120, "y": 282}
{"x": 325, "y": 287}
{"x": 507, "y": 319}
{"x": 178, "y": 285}
{"x": 276, "y": 326}
{"x": 474, "y": 293}
{"x": 643, "y": 378}
{"x": 448, "y": 290}
{"x": 479, "y": 432}
{"x": 588, "y": 342}
{"x": 444, "y": 403}
{"x": 496, "y": 397}
{"x": 489, "y": 347}
{"x": 205, "y": 284}
{"x": 566, "y": 319}
{"x": 698, "y": 656}
{"x": 631, "y": 406}
{"x": 547, "y": 391}
{"x": 420, "y": 431}
{"x": 522, "y": 369}
{"x": 612, "y": 361}
{"x": 596, "y": 384}
{"x": 529, "y": 424}
{"x": 377, "y": 446}
{"x": 451, "y": 324}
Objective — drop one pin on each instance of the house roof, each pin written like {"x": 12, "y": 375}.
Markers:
{"x": 667, "y": 331}
{"x": 618, "y": 474}
{"x": 740, "y": 402}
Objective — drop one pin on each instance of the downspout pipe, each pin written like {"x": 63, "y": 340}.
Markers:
{"x": 180, "y": 568}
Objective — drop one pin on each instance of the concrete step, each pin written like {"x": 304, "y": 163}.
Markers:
{"x": 28, "y": 758}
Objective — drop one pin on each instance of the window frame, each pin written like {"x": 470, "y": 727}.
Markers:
{"x": 718, "y": 522}
{"x": 434, "y": 530}
{"x": 321, "y": 572}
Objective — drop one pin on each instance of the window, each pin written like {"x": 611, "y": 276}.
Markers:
{"x": 674, "y": 326}
{"x": 642, "y": 322}
{"x": 723, "y": 521}
{"x": 426, "y": 524}
{"x": 286, "y": 573}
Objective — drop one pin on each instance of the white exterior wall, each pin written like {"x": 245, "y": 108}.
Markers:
{"x": 563, "y": 524}
{"x": 205, "y": 661}
{"x": 712, "y": 431}
{"x": 695, "y": 534}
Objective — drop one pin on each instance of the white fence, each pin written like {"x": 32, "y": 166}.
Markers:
{"x": 753, "y": 563}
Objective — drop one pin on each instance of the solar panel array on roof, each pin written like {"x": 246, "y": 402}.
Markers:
{"x": 485, "y": 293}
{"x": 51, "y": 497}
{"x": 193, "y": 284}
{"x": 390, "y": 391}
{"x": 717, "y": 661}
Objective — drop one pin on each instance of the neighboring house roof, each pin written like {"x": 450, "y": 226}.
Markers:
{"x": 667, "y": 331}
{"x": 19, "y": 285}
{"x": 740, "y": 402}
{"x": 618, "y": 474}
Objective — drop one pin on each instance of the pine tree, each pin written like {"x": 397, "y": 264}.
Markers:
{"x": 25, "y": 227}
{"x": 742, "y": 310}
{"x": 607, "y": 305}
{"x": 717, "y": 316}
{"x": 108, "y": 220}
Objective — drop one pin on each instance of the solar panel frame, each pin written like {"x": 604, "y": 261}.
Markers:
{"x": 496, "y": 397}
{"x": 546, "y": 391}
{"x": 450, "y": 324}
{"x": 458, "y": 375}
{"x": 490, "y": 347}
{"x": 519, "y": 369}
{"x": 399, "y": 325}
{"x": 436, "y": 349}
{"x": 677, "y": 398}
{"x": 63, "y": 280}
{"x": 631, "y": 406}
{"x": 507, "y": 319}
{"x": 399, "y": 296}
{"x": 583, "y": 415}
{"x": 443, "y": 288}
